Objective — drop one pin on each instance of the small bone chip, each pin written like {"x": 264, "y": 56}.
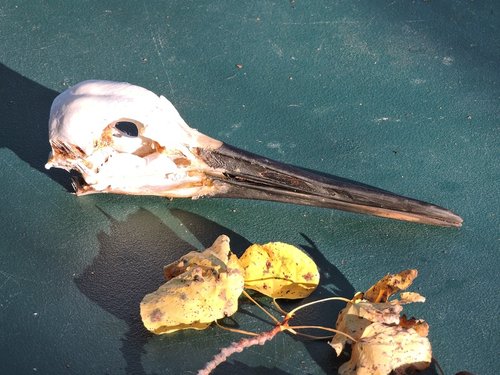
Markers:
{"x": 384, "y": 342}
{"x": 200, "y": 288}
{"x": 279, "y": 270}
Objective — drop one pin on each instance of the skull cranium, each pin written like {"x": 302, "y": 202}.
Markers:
{"x": 85, "y": 136}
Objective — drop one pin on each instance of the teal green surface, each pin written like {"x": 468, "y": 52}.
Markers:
{"x": 401, "y": 95}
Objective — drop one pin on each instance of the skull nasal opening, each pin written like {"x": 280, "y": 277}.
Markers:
{"x": 128, "y": 128}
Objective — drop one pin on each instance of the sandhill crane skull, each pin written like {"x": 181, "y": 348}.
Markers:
{"x": 168, "y": 158}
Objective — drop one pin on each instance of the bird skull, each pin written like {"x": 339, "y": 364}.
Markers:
{"x": 166, "y": 157}
{"x": 159, "y": 160}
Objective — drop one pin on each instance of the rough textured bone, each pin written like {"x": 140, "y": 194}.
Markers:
{"x": 160, "y": 160}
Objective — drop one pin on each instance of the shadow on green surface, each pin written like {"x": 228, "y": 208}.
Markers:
{"x": 128, "y": 266}
{"x": 130, "y": 262}
{"x": 206, "y": 231}
{"x": 24, "y": 109}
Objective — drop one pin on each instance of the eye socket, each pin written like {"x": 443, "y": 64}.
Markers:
{"x": 127, "y": 128}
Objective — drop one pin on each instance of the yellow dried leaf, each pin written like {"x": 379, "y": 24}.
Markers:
{"x": 384, "y": 341}
{"x": 388, "y": 349}
{"x": 390, "y": 284}
{"x": 201, "y": 288}
{"x": 355, "y": 317}
{"x": 279, "y": 270}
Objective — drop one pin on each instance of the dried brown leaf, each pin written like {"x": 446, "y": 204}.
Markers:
{"x": 389, "y": 285}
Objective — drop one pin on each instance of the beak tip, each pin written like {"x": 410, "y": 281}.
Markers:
{"x": 458, "y": 221}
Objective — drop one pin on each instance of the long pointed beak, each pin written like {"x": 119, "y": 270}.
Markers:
{"x": 246, "y": 175}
